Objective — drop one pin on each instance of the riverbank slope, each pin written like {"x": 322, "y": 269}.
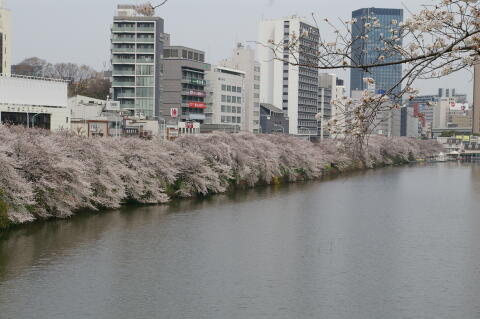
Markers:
{"x": 54, "y": 175}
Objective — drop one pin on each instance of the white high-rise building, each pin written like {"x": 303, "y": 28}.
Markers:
{"x": 226, "y": 98}
{"x": 5, "y": 40}
{"x": 293, "y": 89}
{"x": 136, "y": 51}
{"x": 243, "y": 59}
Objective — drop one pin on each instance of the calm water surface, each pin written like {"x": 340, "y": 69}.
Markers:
{"x": 392, "y": 243}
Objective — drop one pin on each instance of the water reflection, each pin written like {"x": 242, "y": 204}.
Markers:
{"x": 392, "y": 243}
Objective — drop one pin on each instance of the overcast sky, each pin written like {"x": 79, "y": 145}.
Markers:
{"x": 79, "y": 30}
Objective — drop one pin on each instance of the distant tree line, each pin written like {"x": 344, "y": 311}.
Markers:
{"x": 83, "y": 80}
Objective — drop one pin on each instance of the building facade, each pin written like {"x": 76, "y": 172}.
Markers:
{"x": 184, "y": 85}
{"x": 367, "y": 50}
{"x": 293, "y": 88}
{"x": 273, "y": 120}
{"x": 476, "y": 99}
{"x": 5, "y": 40}
{"x": 137, "y": 49}
{"x": 243, "y": 59}
{"x": 94, "y": 117}
{"x": 226, "y": 98}
{"x": 34, "y": 102}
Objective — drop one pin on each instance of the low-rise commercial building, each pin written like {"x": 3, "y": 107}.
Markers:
{"x": 273, "y": 120}
{"x": 93, "y": 117}
{"x": 184, "y": 93}
{"x": 34, "y": 102}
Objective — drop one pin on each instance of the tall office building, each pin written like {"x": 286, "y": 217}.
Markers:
{"x": 293, "y": 88}
{"x": 137, "y": 49}
{"x": 368, "y": 50}
{"x": 184, "y": 84}
{"x": 5, "y": 40}
{"x": 243, "y": 59}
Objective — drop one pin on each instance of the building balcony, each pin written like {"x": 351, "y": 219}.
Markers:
{"x": 123, "y": 61}
{"x": 146, "y": 29}
{"x": 126, "y": 95}
{"x": 145, "y": 61}
{"x": 145, "y": 40}
{"x": 123, "y": 72}
{"x": 123, "y": 29}
{"x": 123, "y": 40}
{"x": 129, "y": 105}
{"x": 146, "y": 50}
{"x": 123, "y": 50}
{"x": 123, "y": 84}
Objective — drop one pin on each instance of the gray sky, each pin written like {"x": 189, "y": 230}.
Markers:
{"x": 79, "y": 30}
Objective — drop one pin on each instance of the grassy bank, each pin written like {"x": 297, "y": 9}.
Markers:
{"x": 54, "y": 175}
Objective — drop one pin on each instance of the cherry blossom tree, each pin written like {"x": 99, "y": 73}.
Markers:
{"x": 148, "y": 9}
{"x": 54, "y": 175}
{"x": 440, "y": 39}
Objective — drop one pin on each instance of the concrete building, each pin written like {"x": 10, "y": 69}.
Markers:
{"x": 5, "y": 40}
{"x": 273, "y": 120}
{"x": 476, "y": 99}
{"x": 293, "y": 88}
{"x": 387, "y": 122}
{"x": 34, "y": 102}
{"x": 409, "y": 123}
{"x": 440, "y": 113}
{"x": 184, "y": 85}
{"x": 327, "y": 92}
{"x": 460, "y": 118}
{"x": 243, "y": 59}
{"x": 424, "y": 105}
{"x": 137, "y": 49}
{"x": 226, "y": 97}
{"x": 367, "y": 50}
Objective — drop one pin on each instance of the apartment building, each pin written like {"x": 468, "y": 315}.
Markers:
{"x": 137, "y": 48}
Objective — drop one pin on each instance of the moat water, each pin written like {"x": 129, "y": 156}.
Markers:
{"x": 401, "y": 242}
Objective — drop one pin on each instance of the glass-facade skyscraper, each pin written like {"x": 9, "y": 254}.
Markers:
{"x": 368, "y": 50}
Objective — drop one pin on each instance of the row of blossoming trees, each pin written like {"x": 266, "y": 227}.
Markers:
{"x": 45, "y": 175}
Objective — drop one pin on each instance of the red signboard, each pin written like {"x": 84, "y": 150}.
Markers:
{"x": 197, "y": 105}
{"x": 189, "y": 125}
{"x": 174, "y": 112}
